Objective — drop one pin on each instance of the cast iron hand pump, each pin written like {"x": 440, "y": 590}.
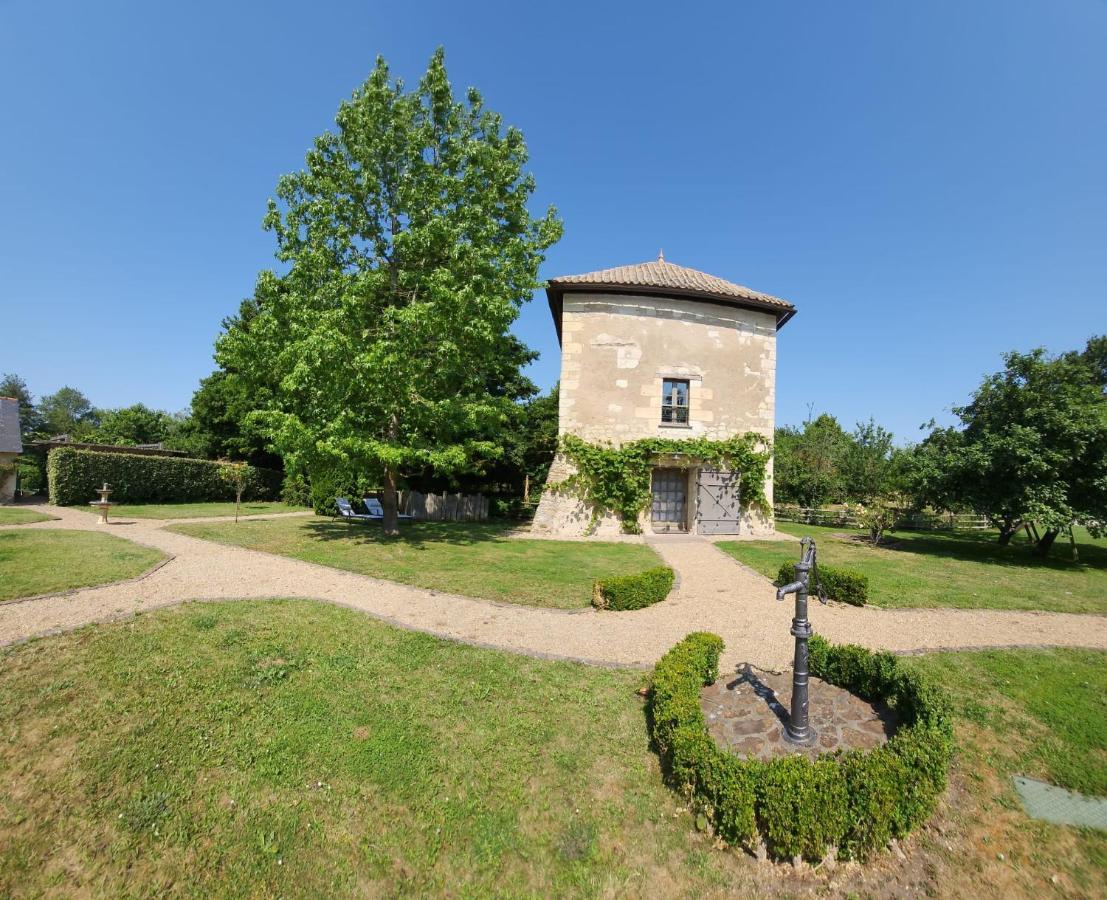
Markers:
{"x": 798, "y": 730}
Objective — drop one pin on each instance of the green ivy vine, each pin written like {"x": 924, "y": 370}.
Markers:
{"x": 617, "y": 479}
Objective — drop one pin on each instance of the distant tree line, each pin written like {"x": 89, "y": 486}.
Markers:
{"x": 1029, "y": 452}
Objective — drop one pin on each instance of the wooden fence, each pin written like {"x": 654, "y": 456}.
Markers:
{"x": 445, "y": 507}
{"x": 909, "y": 519}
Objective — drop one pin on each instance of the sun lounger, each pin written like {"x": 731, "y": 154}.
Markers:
{"x": 374, "y": 508}
{"x": 346, "y": 511}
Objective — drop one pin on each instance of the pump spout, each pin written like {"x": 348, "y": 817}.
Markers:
{"x": 789, "y": 589}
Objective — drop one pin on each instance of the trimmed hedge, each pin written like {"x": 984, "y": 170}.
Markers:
{"x": 855, "y": 801}
{"x": 843, "y": 585}
{"x": 633, "y": 591}
{"x": 74, "y": 475}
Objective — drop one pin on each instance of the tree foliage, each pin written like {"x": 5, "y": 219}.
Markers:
{"x": 12, "y": 385}
{"x": 67, "y": 411}
{"x": 807, "y": 462}
{"x": 131, "y": 425}
{"x": 1032, "y": 446}
{"x": 869, "y": 463}
{"x": 409, "y": 249}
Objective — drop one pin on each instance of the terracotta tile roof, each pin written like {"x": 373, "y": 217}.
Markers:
{"x": 660, "y": 275}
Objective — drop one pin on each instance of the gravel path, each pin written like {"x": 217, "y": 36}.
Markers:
{"x": 715, "y": 593}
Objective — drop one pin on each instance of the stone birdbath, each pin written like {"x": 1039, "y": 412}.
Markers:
{"x": 103, "y": 504}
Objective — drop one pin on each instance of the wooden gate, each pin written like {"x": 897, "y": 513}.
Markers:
{"x": 718, "y": 510}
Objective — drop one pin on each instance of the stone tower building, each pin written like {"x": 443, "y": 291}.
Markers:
{"x": 660, "y": 350}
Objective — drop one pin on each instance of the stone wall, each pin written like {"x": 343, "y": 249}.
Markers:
{"x": 616, "y": 351}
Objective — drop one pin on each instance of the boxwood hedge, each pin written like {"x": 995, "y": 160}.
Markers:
{"x": 633, "y": 591}
{"x": 74, "y": 475}
{"x": 843, "y": 585}
{"x": 855, "y": 801}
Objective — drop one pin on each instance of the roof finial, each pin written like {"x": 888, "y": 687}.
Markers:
{"x": 661, "y": 256}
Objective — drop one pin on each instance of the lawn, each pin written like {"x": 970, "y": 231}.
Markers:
{"x": 48, "y": 561}
{"x": 477, "y": 560}
{"x": 193, "y": 510}
{"x": 289, "y": 748}
{"x": 954, "y": 569}
{"x": 299, "y": 749}
{"x": 10, "y": 515}
{"x": 1039, "y": 713}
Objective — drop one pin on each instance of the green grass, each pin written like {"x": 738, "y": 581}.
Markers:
{"x": 193, "y": 510}
{"x": 46, "y": 562}
{"x": 459, "y": 558}
{"x": 12, "y": 516}
{"x": 296, "y": 749}
{"x": 290, "y": 748}
{"x": 1039, "y": 713}
{"x": 952, "y": 569}
{"x": 1049, "y": 707}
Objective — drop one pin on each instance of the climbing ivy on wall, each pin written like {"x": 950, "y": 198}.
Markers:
{"x": 617, "y": 479}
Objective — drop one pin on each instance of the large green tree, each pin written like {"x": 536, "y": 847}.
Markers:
{"x": 130, "y": 425}
{"x": 1032, "y": 446}
{"x": 409, "y": 248}
{"x": 869, "y": 463}
{"x": 67, "y": 411}
{"x": 807, "y": 464}
{"x": 218, "y": 425}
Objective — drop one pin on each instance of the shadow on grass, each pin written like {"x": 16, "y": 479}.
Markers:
{"x": 418, "y": 535}
{"x": 982, "y": 547}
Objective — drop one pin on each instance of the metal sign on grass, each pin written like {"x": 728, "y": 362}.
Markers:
{"x": 1054, "y": 804}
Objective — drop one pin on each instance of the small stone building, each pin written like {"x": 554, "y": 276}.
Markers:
{"x": 660, "y": 350}
{"x": 10, "y": 447}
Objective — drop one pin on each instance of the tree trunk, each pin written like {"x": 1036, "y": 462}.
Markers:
{"x": 390, "y": 503}
{"x": 1007, "y": 531}
{"x": 1046, "y": 541}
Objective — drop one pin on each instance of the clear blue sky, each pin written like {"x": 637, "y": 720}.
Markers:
{"x": 927, "y": 182}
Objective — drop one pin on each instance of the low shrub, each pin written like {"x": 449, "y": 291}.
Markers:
{"x": 855, "y": 801}
{"x": 74, "y": 475}
{"x": 843, "y": 585}
{"x": 633, "y": 591}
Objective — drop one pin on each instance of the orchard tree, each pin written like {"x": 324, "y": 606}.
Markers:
{"x": 409, "y": 250}
{"x": 1033, "y": 447}
{"x": 869, "y": 464}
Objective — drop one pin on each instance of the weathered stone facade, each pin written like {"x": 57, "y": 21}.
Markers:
{"x": 619, "y": 347}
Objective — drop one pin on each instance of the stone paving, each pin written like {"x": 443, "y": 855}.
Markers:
{"x": 714, "y": 593}
{"x": 747, "y": 712}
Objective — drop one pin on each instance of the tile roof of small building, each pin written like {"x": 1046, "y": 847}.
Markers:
{"x": 660, "y": 273}
{"x": 10, "y": 441}
{"x": 662, "y": 277}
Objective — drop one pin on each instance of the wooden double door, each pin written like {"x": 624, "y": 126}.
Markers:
{"x": 715, "y": 505}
